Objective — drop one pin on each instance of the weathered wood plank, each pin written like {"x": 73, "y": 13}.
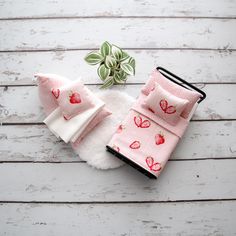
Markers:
{"x": 33, "y": 143}
{"x": 77, "y": 182}
{"x": 129, "y": 33}
{"x": 37, "y": 143}
{"x": 83, "y": 8}
{"x": 185, "y": 219}
{"x": 18, "y": 67}
{"x": 219, "y": 104}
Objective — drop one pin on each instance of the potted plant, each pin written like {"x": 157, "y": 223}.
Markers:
{"x": 115, "y": 65}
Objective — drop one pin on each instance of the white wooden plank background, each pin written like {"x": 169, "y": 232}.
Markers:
{"x": 214, "y": 66}
{"x": 62, "y": 33}
{"x": 183, "y": 218}
{"x": 77, "y": 182}
{"x": 195, "y": 195}
{"x": 94, "y": 8}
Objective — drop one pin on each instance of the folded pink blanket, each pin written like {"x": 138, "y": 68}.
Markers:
{"x": 147, "y": 136}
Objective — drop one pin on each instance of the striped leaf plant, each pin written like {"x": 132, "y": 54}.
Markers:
{"x": 115, "y": 65}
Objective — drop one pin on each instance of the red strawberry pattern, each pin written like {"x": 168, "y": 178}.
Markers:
{"x": 152, "y": 89}
{"x": 138, "y": 120}
{"x": 56, "y": 93}
{"x": 135, "y": 145}
{"x": 154, "y": 166}
{"x": 166, "y": 108}
{"x": 159, "y": 139}
{"x": 120, "y": 129}
{"x": 140, "y": 123}
{"x": 151, "y": 110}
{"x": 66, "y": 118}
{"x": 75, "y": 98}
{"x": 145, "y": 124}
{"x": 116, "y": 148}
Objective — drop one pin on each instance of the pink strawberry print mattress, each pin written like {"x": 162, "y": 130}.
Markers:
{"x": 144, "y": 142}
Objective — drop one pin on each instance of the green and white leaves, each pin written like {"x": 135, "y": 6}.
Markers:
{"x": 120, "y": 77}
{"x": 103, "y": 72}
{"x": 105, "y": 49}
{"x": 127, "y": 68}
{"x": 132, "y": 62}
{"x": 94, "y": 58}
{"x": 110, "y": 61}
{"x": 116, "y": 52}
{"x": 115, "y": 64}
{"x": 108, "y": 83}
{"x": 125, "y": 56}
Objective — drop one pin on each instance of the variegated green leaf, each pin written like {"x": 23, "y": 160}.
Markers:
{"x": 120, "y": 77}
{"x": 116, "y": 52}
{"x": 94, "y": 58}
{"x": 105, "y": 49}
{"x": 103, "y": 72}
{"x": 132, "y": 63}
{"x": 125, "y": 56}
{"x": 110, "y": 61}
{"x": 123, "y": 76}
{"x": 108, "y": 83}
{"x": 117, "y": 78}
{"x": 127, "y": 68}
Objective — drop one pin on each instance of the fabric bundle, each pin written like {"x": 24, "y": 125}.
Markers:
{"x": 72, "y": 109}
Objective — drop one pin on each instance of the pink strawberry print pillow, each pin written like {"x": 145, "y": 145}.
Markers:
{"x": 165, "y": 105}
{"x": 72, "y": 99}
{"x": 45, "y": 84}
{"x": 175, "y": 89}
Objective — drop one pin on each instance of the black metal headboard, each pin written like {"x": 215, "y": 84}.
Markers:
{"x": 174, "y": 78}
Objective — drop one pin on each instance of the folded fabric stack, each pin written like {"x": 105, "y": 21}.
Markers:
{"x": 72, "y": 109}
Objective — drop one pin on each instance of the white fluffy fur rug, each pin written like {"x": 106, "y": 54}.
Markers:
{"x": 93, "y": 147}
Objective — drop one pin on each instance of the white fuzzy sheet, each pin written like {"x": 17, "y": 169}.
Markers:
{"x": 92, "y": 148}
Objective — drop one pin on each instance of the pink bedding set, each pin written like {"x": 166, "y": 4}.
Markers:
{"x": 155, "y": 124}
{"x": 57, "y": 91}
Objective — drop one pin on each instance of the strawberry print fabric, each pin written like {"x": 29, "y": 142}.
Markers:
{"x": 46, "y": 84}
{"x": 147, "y": 136}
{"x": 144, "y": 142}
{"x": 174, "y": 89}
{"x": 70, "y": 130}
{"x": 165, "y": 105}
{"x": 72, "y": 99}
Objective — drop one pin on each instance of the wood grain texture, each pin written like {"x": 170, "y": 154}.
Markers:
{"x": 77, "y": 182}
{"x": 185, "y": 219}
{"x": 219, "y": 104}
{"x": 129, "y": 33}
{"x": 33, "y": 143}
{"x": 83, "y": 8}
{"x": 37, "y": 144}
{"x": 196, "y": 39}
{"x": 17, "y": 68}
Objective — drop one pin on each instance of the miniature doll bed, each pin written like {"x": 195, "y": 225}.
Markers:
{"x": 151, "y": 130}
